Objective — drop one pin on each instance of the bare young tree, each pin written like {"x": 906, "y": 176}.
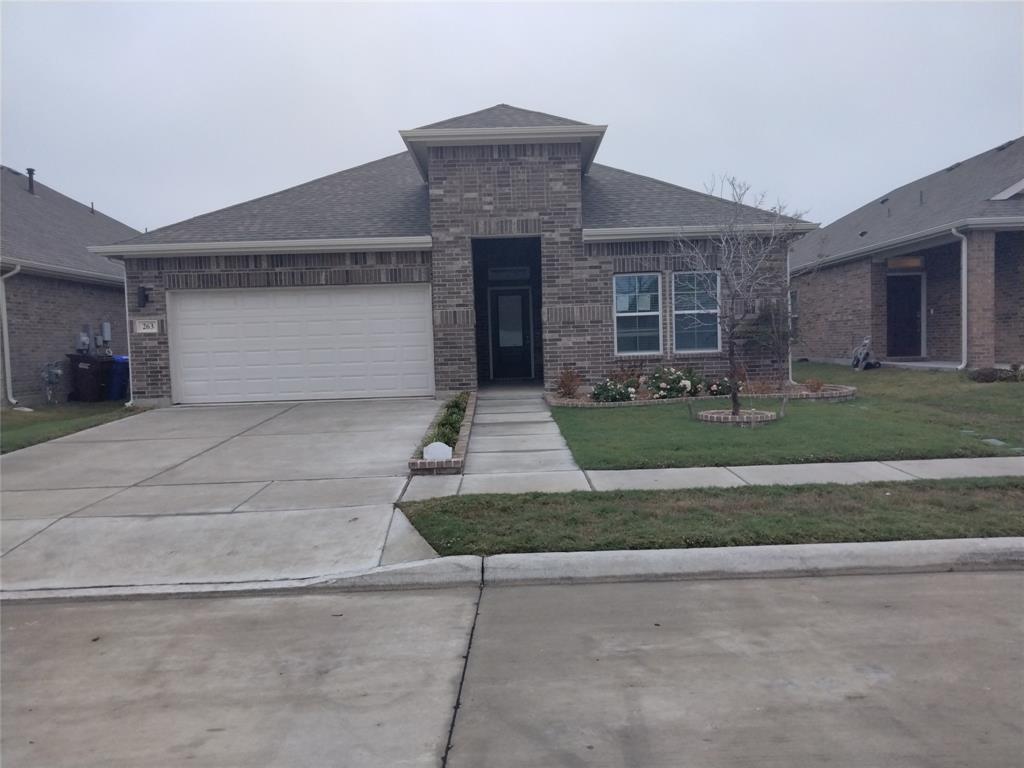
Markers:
{"x": 735, "y": 276}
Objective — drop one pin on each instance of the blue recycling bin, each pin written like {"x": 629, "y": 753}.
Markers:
{"x": 117, "y": 386}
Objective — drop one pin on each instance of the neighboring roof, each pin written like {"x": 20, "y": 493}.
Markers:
{"x": 385, "y": 198}
{"x": 960, "y": 195}
{"x": 49, "y": 232}
{"x": 617, "y": 198}
{"x": 502, "y": 116}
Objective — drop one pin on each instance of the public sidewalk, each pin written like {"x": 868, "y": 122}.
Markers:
{"x": 728, "y": 477}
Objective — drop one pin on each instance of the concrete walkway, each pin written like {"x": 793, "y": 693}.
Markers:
{"x": 729, "y": 477}
{"x": 515, "y": 447}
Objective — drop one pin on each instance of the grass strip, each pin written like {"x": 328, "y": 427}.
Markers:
{"x": 755, "y": 515}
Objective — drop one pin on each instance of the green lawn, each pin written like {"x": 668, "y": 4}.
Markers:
{"x": 568, "y": 522}
{"x": 20, "y": 429}
{"x": 898, "y": 414}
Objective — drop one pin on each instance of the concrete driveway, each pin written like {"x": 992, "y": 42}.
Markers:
{"x": 209, "y": 494}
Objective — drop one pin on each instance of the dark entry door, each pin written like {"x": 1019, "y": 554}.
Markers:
{"x": 904, "y": 310}
{"x": 511, "y": 336}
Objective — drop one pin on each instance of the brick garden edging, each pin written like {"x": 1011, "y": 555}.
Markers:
{"x": 831, "y": 392}
{"x": 746, "y": 418}
{"x": 454, "y": 465}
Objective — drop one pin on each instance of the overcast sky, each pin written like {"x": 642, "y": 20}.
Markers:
{"x": 161, "y": 111}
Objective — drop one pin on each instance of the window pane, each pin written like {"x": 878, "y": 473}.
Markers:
{"x": 636, "y": 293}
{"x": 625, "y": 284}
{"x": 696, "y": 332}
{"x": 637, "y": 334}
{"x": 696, "y": 291}
{"x": 510, "y": 320}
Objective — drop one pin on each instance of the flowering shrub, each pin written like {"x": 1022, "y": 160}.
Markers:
{"x": 672, "y": 382}
{"x": 609, "y": 391}
{"x": 722, "y": 386}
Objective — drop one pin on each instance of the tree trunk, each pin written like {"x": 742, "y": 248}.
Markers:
{"x": 734, "y": 377}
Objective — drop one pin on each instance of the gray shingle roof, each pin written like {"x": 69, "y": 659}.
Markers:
{"x": 385, "y": 198}
{"x": 503, "y": 116}
{"x": 52, "y": 231}
{"x": 617, "y": 198}
{"x": 945, "y": 197}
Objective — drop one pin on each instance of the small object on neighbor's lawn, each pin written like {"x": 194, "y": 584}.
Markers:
{"x": 862, "y": 357}
{"x": 437, "y": 452}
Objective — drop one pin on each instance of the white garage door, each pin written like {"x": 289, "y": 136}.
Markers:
{"x": 300, "y": 343}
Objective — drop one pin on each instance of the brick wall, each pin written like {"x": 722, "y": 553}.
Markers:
{"x": 838, "y": 306}
{"x": 45, "y": 316}
{"x": 151, "y": 371}
{"x": 981, "y": 297}
{"x": 501, "y": 191}
{"x": 942, "y": 268}
{"x": 1009, "y": 316}
{"x": 586, "y": 337}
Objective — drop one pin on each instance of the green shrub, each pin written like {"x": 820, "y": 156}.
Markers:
{"x": 609, "y": 391}
{"x": 450, "y": 421}
{"x": 669, "y": 382}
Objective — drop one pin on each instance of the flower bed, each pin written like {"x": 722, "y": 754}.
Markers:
{"x": 451, "y": 427}
{"x": 832, "y": 392}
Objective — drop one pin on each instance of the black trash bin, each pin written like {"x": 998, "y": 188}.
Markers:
{"x": 117, "y": 387}
{"x": 88, "y": 377}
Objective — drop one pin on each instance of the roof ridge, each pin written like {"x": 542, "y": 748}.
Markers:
{"x": 200, "y": 216}
{"x": 707, "y": 195}
{"x": 496, "y": 106}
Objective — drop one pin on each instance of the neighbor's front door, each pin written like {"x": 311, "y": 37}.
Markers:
{"x": 904, "y": 315}
{"x": 511, "y": 335}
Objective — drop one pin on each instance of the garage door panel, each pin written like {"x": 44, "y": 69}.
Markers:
{"x": 300, "y": 343}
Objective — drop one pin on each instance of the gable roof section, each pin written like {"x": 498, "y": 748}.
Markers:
{"x": 960, "y": 195}
{"x": 384, "y": 198}
{"x": 48, "y": 232}
{"x": 502, "y": 116}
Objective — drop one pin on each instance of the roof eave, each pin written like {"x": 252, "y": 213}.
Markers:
{"x": 996, "y": 223}
{"x": 419, "y": 140}
{"x": 320, "y": 245}
{"x": 66, "y": 273}
{"x": 624, "y": 234}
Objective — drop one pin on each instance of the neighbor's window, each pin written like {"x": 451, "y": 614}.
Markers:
{"x": 695, "y": 299}
{"x": 637, "y": 314}
{"x": 794, "y": 313}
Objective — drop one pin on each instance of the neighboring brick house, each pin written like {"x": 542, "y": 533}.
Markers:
{"x": 53, "y": 286}
{"x": 493, "y": 249}
{"x": 892, "y": 270}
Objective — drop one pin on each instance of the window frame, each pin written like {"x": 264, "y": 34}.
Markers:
{"x": 717, "y": 312}
{"x": 616, "y": 315}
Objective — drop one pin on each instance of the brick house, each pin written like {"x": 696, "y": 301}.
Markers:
{"x": 493, "y": 249}
{"x": 901, "y": 268}
{"x": 52, "y": 286}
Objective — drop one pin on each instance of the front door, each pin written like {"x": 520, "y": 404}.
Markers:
{"x": 904, "y": 315}
{"x": 511, "y": 334}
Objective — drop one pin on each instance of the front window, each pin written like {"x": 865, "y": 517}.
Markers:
{"x": 695, "y": 306}
{"x": 637, "y": 314}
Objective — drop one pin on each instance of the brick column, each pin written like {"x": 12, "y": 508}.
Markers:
{"x": 981, "y": 299}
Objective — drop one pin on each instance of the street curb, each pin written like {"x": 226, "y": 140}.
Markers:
{"x": 774, "y": 561}
{"x": 436, "y": 573}
{"x": 777, "y": 561}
